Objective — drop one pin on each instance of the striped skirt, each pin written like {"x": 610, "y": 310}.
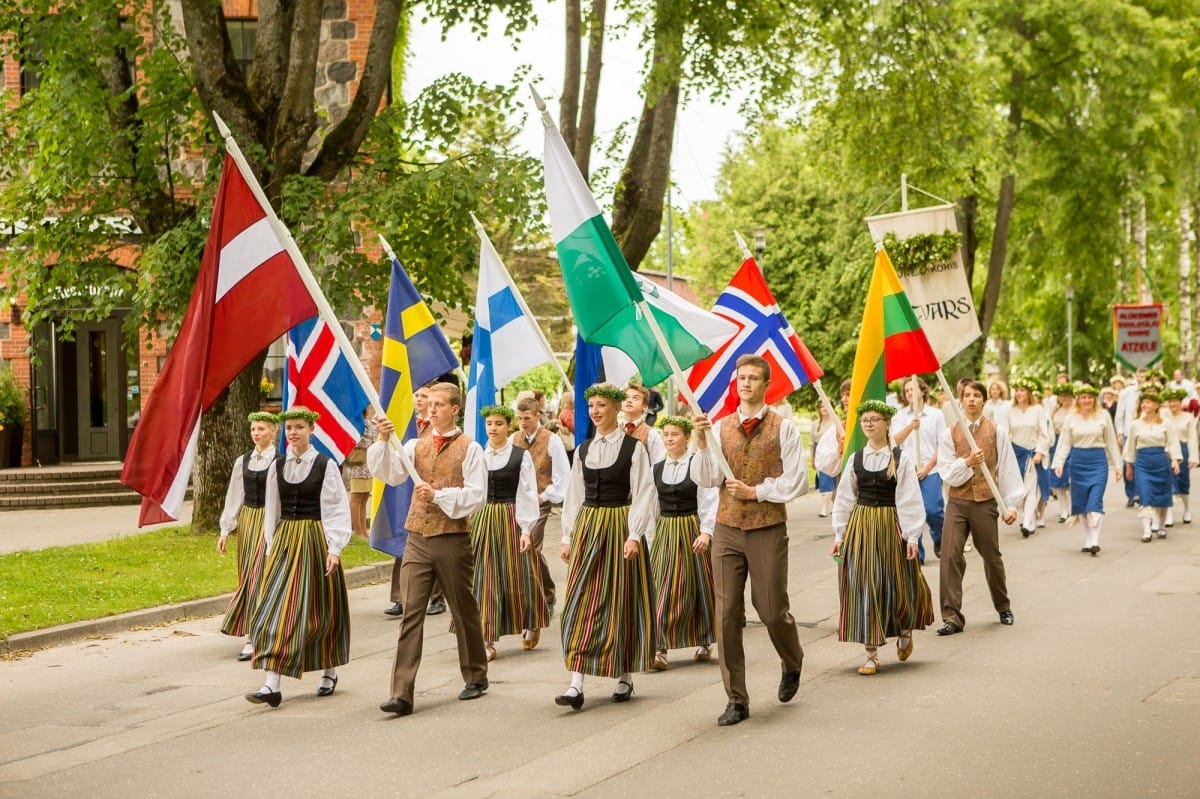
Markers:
{"x": 607, "y": 618}
{"x": 508, "y": 584}
{"x": 251, "y": 550}
{"x": 683, "y": 585}
{"x": 1152, "y": 478}
{"x": 883, "y": 593}
{"x": 301, "y": 619}
{"x": 1088, "y": 468}
{"x": 1183, "y": 480}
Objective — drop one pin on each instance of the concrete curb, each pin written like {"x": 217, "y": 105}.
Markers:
{"x": 150, "y": 617}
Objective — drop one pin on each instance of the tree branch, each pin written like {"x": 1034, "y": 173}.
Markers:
{"x": 568, "y": 103}
{"x": 297, "y": 117}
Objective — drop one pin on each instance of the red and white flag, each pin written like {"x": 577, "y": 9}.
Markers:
{"x": 248, "y": 294}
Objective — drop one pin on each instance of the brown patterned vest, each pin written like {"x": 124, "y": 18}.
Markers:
{"x": 441, "y": 470}
{"x": 976, "y": 489}
{"x": 752, "y": 459}
{"x": 539, "y": 450}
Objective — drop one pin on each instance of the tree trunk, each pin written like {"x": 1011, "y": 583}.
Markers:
{"x": 591, "y": 88}
{"x": 1186, "y": 309}
{"x": 967, "y": 212}
{"x": 568, "y": 103}
{"x": 1194, "y": 288}
{"x": 224, "y": 435}
{"x": 1003, "y": 357}
{"x": 1145, "y": 289}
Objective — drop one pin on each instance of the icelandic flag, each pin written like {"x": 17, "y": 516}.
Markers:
{"x": 762, "y": 330}
{"x": 320, "y": 378}
{"x": 506, "y": 343}
{"x": 248, "y": 293}
{"x": 415, "y": 351}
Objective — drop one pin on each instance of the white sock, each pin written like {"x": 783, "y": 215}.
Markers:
{"x": 330, "y": 675}
{"x": 1170, "y": 518}
{"x": 248, "y": 649}
{"x": 1145, "y": 525}
{"x": 624, "y": 683}
{"x": 272, "y": 682}
{"x": 1087, "y": 531}
{"x": 577, "y": 681}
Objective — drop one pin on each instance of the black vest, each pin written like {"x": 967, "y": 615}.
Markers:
{"x": 609, "y": 487}
{"x": 875, "y": 489}
{"x": 678, "y": 499}
{"x": 254, "y": 484}
{"x": 503, "y": 482}
{"x": 301, "y": 500}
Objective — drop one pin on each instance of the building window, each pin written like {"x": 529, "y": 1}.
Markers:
{"x": 32, "y": 60}
{"x": 242, "y": 35}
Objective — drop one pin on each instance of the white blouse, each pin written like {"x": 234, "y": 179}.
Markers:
{"x": 602, "y": 453}
{"x": 527, "y": 510}
{"x": 456, "y": 502}
{"x": 782, "y": 489}
{"x": 335, "y": 504}
{"x": 910, "y": 508}
{"x": 1087, "y": 432}
{"x": 1185, "y": 429}
{"x": 1147, "y": 435}
{"x": 235, "y": 495}
{"x": 707, "y": 497}
{"x": 1028, "y": 428}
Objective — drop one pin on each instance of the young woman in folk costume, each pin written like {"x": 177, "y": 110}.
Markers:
{"x": 1185, "y": 430}
{"x": 1060, "y": 479}
{"x": 508, "y": 584}
{"x": 607, "y": 516}
{"x": 244, "y": 502}
{"x": 1152, "y": 452}
{"x": 1087, "y": 449}
{"x": 1028, "y": 429}
{"x": 878, "y": 517}
{"x": 679, "y": 554}
{"x": 302, "y": 617}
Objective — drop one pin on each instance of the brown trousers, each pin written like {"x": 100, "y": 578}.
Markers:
{"x": 397, "y": 594}
{"x": 979, "y": 518}
{"x": 762, "y": 555}
{"x": 449, "y": 559}
{"x": 537, "y": 534}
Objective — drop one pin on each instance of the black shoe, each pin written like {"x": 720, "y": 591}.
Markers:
{"x": 1095, "y": 550}
{"x": 735, "y": 712}
{"x": 1025, "y": 533}
{"x": 1130, "y": 503}
{"x": 401, "y": 707}
{"x": 1006, "y": 616}
{"x": 1086, "y": 550}
{"x": 623, "y": 696}
{"x": 263, "y": 697}
{"x": 788, "y": 685}
{"x": 473, "y": 690}
{"x": 937, "y": 550}
{"x": 949, "y": 628}
{"x": 323, "y": 691}
{"x": 436, "y": 608}
{"x": 1062, "y": 519}
{"x": 572, "y": 701}
{"x": 397, "y": 609}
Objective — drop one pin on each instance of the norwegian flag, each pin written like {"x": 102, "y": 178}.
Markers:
{"x": 762, "y": 330}
{"x": 248, "y": 293}
{"x": 320, "y": 378}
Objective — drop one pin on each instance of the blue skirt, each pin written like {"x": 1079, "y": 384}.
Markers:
{"x": 1023, "y": 457}
{"x": 826, "y": 483}
{"x": 1043, "y": 481}
{"x": 1183, "y": 481}
{"x": 1088, "y": 469}
{"x": 1065, "y": 480}
{"x": 1152, "y": 478}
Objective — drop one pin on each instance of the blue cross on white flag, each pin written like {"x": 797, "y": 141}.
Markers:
{"x": 506, "y": 343}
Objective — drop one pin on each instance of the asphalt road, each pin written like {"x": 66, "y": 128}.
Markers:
{"x": 1094, "y": 692}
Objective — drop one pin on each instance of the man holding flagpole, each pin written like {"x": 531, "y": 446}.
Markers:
{"x": 750, "y": 537}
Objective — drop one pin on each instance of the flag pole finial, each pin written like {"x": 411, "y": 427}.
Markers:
{"x": 222, "y": 128}
{"x": 547, "y": 120}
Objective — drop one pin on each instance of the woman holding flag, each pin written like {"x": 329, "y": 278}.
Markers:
{"x": 679, "y": 554}
{"x": 244, "y": 502}
{"x": 302, "y": 619}
{"x": 508, "y": 581}
{"x": 608, "y": 514}
{"x": 878, "y": 517}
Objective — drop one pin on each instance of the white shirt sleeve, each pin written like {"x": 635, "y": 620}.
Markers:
{"x": 910, "y": 507}
{"x": 234, "y": 497}
{"x": 458, "y": 502}
{"x": 271, "y": 504}
{"x": 560, "y": 472}
{"x": 335, "y": 509}
{"x": 707, "y": 499}
{"x": 384, "y": 462}
{"x": 953, "y": 469}
{"x": 793, "y": 482}
{"x": 827, "y": 457}
{"x": 643, "y": 510}
{"x": 527, "y": 508}
{"x": 844, "y": 500}
{"x": 1065, "y": 442}
{"x": 655, "y": 446}
{"x": 573, "y": 500}
{"x": 1008, "y": 477}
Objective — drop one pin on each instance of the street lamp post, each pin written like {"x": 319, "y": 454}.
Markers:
{"x": 760, "y": 246}
{"x": 1070, "y": 329}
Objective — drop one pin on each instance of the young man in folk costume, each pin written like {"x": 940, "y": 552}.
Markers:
{"x": 454, "y": 486}
{"x": 634, "y": 422}
{"x": 766, "y": 456}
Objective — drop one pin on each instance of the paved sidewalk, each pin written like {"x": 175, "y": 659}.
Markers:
{"x": 40, "y": 529}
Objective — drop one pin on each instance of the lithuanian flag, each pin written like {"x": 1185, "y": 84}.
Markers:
{"x": 891, "y": 345}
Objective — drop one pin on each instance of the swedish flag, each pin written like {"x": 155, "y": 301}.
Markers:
{"x": 415, "y": 351}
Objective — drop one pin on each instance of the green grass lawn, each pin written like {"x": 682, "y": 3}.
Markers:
{"x": 53, "y": 586}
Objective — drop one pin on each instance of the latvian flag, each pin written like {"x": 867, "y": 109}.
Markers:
{"x": 248, "y": 293}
